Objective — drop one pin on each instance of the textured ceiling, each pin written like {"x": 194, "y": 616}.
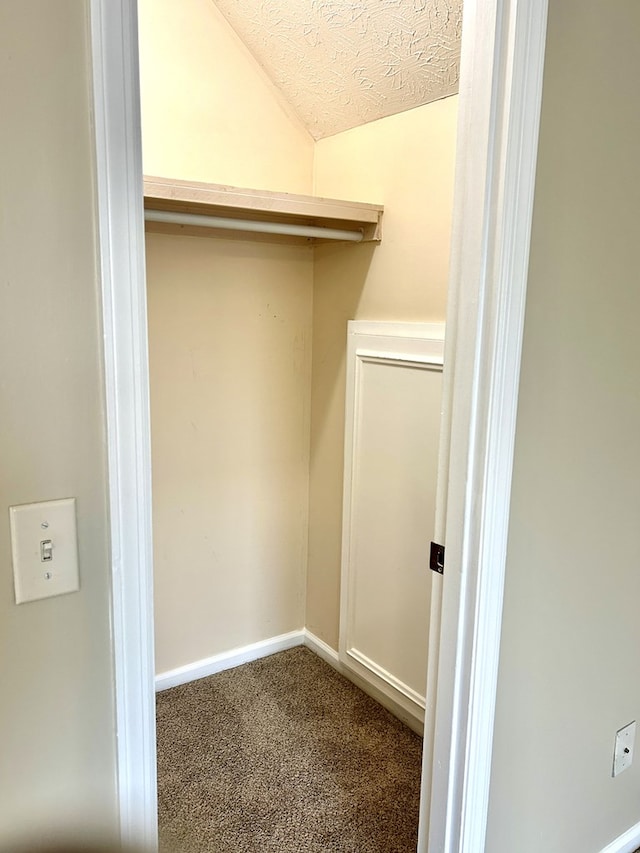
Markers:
{"x": 342, "y": 63}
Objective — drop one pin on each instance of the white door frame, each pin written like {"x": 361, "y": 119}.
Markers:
{"x": 114, "y": 44}
{"x": 500, "y": 93}
{"x": 499, "y": 113}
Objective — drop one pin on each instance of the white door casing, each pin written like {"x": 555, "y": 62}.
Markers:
{"x": 500, "y": 93}
{"x": 498, "y": 121}
{"x": 114, "y": 44}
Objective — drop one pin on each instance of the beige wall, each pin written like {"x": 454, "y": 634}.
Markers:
{"x": 230, "y": 353}
{"x": 405, "y": 161}
{"x": 209, "y": 113}
{"x": 230, "y": 349}
{"x": 571, "y": 636}
{"x": 56, "y": 695}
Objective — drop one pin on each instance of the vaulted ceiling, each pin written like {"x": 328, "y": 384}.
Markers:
{"x": 342, "y": 63}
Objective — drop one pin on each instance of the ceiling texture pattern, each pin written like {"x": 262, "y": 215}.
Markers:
{"x": 342, "y": 63}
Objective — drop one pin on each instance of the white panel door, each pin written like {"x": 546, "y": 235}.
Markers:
{"x": 393, "y": 411}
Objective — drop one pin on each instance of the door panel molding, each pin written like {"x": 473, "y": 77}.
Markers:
{"x": 382, "y": 635}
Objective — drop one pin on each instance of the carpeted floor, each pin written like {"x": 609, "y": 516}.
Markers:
{"x": 284, "y": 755}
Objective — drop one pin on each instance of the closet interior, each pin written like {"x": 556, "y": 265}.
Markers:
{"x": 263, "y": 244}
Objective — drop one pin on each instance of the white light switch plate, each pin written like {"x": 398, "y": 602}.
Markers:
{"x": 44, "y": 549}
{"x": 623, "y": 750}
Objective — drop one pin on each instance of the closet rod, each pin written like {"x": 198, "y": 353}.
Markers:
{"x": 230, "y": 224}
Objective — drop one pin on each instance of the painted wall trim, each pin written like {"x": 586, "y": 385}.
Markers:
{"x": 392, "y": 683}
{"x": 628, "y": 842}
{"x": 330, "y": 656}
{"x": 499, "y": 115}
{"x": 322, "y": 649}
{"x": 228, "y": 660}
{"x": 114, "y": 48}
{"x": 273, "y": 645}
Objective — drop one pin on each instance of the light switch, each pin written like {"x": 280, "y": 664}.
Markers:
{"x": 44, "y": 549}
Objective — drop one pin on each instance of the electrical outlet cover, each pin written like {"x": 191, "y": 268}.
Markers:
{"x": 623, "y": 750}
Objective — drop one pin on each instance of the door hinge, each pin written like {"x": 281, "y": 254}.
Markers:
{"x": 436, "y": 558}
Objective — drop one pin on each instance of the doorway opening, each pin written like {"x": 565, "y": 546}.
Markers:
{"x": 255, "y": 548}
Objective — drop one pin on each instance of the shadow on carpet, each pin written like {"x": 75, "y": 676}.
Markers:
{"x": 284, "y": 755}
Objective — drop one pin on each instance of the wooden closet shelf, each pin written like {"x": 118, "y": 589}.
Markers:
{"x": 362, "y": 222}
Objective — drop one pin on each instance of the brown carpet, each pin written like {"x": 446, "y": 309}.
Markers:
{"x": 284, "y": 755}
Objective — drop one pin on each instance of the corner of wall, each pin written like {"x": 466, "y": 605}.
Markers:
{"x": 209, "y": 111}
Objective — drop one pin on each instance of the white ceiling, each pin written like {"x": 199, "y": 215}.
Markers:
{"x": 342, "y": 63}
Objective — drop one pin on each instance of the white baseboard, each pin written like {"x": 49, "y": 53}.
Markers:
{"x": 371, "y": 670}
{"x": 322, "y": 649}
{"x": 330, "y": 656}
{"x": 228, "y": 660}
{"x": 628, "y": 842}
{"x": 264, "y": 648}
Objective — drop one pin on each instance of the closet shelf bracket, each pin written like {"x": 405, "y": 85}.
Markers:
{"x": 218, "y": 207}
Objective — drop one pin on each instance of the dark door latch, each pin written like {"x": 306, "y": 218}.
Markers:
{"x": 436, "y": 558}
